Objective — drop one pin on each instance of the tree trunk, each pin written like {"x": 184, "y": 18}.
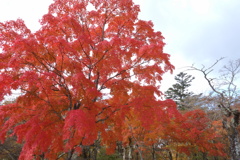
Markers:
{"x": 86, "y": 153}
{"x": 153, "y": 152}
{"x": 204, "y": 156}
{"x": 124, "y": 154}
{"x": 234, "y": 143}
{"x": 94, "y": 153}
{"x": 129, "y": 153}
{"x": 170, "y": 155}
{"x": 231, "y": 126}
{"x": 70, "y": 154}
{"x": 139, "y": 153}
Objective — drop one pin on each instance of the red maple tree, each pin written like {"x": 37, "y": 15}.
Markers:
{"x": 91, "y": 67}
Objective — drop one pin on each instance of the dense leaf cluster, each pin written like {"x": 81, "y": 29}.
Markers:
{"x": 88, "y": 77}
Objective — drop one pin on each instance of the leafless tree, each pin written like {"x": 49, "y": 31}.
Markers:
{"x": 227, "y": 93}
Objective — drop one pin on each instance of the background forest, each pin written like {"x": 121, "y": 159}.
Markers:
{"x": 90, "y": 88}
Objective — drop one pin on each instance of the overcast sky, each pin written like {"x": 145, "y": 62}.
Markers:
{"x": 196, "y": 31}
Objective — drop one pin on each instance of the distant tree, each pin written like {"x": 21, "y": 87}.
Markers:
{"x": 227, "y": 95}
{"x": 179, "y": 91}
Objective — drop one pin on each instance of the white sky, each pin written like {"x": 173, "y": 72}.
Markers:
{"x": 196, "y": 31}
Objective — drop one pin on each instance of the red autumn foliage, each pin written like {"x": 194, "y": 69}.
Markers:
{"x": 87, "y": 71}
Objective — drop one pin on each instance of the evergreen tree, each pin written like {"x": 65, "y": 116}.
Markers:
{"x": 179, "y": 91}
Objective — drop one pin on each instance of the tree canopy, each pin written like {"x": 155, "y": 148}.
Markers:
{"x": 179, "y": 91}
{"x": 90, "y": 73}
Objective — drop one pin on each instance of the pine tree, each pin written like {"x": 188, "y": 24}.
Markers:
{"x": 179, "y": 91}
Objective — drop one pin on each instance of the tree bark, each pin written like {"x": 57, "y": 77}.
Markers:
{"x": 153, "y": 152}
{"x": 234, "y": 138}
{"x": 170, "y": 155}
